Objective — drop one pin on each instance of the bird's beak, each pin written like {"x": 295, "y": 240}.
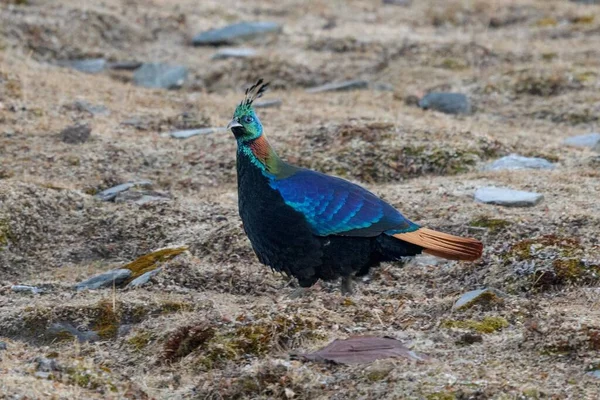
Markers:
{"x": 233, "y": 124}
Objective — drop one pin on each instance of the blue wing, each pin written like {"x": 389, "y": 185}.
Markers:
{"x": 334, "y": 206}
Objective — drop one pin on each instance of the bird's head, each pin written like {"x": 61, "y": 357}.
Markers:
{"x": 245, "y": 124}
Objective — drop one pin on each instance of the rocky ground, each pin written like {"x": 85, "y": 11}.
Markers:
{"x": 203, "y": 320}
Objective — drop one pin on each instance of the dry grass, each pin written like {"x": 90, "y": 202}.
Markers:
{"x": 216, "y": 324}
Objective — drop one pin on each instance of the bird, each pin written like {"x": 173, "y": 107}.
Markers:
{"x": 312, "y": 226}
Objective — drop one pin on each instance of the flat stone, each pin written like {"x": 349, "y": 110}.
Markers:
{"x": 235, "y": 32}
{"x": 339, "y": 86}
{"x": 595, "y": 373}
{"x": 507, "y": 197}
{"x": 87, "y": 65}
{"x": 111, "y": 193}
{"x": 404, "y": 3}
{"x": 515, "y": 161}
{"x": 589, "y": 140}
{"x": 81, "y": 105}
{"x": 106, "y": 279}
{"x": 449, "y": 103}
{"x": 478, "y": 296}
{"x": 586, "y": 1}
{"x": 46, "y": 364}
{"x": 268, "y": 103}
{"x": 160, "y": 76}
{"x": 76, "y": 134}
{"x": 125, "y": 65}
{"x": 140, "y": 197}
{"x": 226, "y": 53}
{"x": 58, "y": 329}
{"x": 187, "y": 133}
{"x": 143, "y": 279}
{"x": 25, "y": 289}
{"x": 3, "y": 346}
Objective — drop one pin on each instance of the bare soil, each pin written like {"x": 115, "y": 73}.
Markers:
{"x": 214, "y": 323}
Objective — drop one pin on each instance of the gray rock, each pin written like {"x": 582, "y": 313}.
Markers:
{"x": 140, "y": 197}
{"x": 187, "y": 133}
{"x": 76, "y": 134}
{"x": 60, "y": 328}
{"x": 111, "y": 193}
{"x": 404, "y": 3}
{"x": 268, "y": 103}
{"x": 449, "y": 103}
{"x": 87, "y": 65}
{"x": 515, "y": 161}
{"x": 595, "y": 373}
{"x": 339, "y": 86}
{"x": 84, "y": 106}
{"x": 234, "y": 53}
{"x": 25, "y": 289}
{"x": 160, "y": 76}
{"x": 478, "y": 296}
{"x": 586, "y": 2}
{"x": 597, "y": 147}
{"x": 143, "y": 279}
{"x": 235, "y": 33}
{"x": 46, "y": 364}
{"x": 106, "y": 279}
{"x": 507, "y": 197}
{"x": 589, "y": 140}
{"x": 3, "y": 346}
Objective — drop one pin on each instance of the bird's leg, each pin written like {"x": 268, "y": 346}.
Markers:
{"x": 347, "y": 286}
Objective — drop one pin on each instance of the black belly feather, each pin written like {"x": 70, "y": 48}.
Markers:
{"x": 283, "y": 240}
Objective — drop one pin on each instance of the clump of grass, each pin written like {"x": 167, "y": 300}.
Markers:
{"x": 107, "y": 319}
{"x": 492, "y": 224}
{"x": 487, "y": 325}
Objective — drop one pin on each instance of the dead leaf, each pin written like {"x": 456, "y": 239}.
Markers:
{"x": 363, "y": 349}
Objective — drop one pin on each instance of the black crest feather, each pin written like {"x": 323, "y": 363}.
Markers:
{"x": 254, "y": 92}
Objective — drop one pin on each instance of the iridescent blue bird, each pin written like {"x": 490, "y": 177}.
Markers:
{"x": 314, "y": 226}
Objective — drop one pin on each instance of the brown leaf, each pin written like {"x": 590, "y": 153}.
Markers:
{"x": 363, "y": 349}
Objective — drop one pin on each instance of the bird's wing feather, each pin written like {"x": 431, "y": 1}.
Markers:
{"x": 334, "y": 206}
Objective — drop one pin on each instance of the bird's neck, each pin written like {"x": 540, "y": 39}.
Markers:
{"x": 262, "y": 155}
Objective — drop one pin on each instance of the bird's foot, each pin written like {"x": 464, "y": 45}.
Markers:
{"x": 347, "y": 286}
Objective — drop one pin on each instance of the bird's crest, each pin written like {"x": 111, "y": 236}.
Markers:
{"x": 252, "y": 93}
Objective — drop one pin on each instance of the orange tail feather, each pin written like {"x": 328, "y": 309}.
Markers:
{"x": 444, "y": 245}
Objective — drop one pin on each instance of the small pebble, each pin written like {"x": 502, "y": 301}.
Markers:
{"x": 515, "y": 161}
{"x": 111, "y": 193}
{"x": 160, "y": 76}
{"x": 226, "y": 53}
{"x": 235, "y": 32}
{"x": 449, "y": 103}
{"x": 3, "y": 346}
{"x": 588, "y": 140}
{"x": 87, "y": 65}
{"x": 339, "y": 86}
{"x": 106, "y": 279}
{"x": 476, "y": 296}
{"x": 188, "y": 133}
{"x": 25, "y": 289}
{"x": 143, "y": 279}
{"x": 507, "y": 197}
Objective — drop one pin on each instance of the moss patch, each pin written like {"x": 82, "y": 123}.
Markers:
{"x": 108, "y": 319}
{"x": 151, "y": 261}
{"x": 493, "y": 224}
{"x": 525, "y": 249}
{"x": 487, "y": 325}
{"x": 140, "y": 340}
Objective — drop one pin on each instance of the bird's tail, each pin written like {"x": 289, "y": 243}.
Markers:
{"x": 443, "y": 245}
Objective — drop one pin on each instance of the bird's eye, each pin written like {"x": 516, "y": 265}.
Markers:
{"x": 248, "y": 119}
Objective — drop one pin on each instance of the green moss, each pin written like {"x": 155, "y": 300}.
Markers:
{"x": 542, "y": 85}
{"x": 523, "y": 250}
{"x": 140, "y": 340}
{"x": 150, "y": 262}
{"x": 377, "y": 375}
{"x": 583, "y": 19}
{"x": 170, "y": 307}
{"x": 493, "y": 224}
{"x": 453, "y": 64}
{"x": 549, "y": 56}
{"x": 487, "y": 325}
{"x": 546, "y": 22}
{"x": 6, "y": 235}
{"x": 107, "y": 320}
{"x": 441, "y": 396}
